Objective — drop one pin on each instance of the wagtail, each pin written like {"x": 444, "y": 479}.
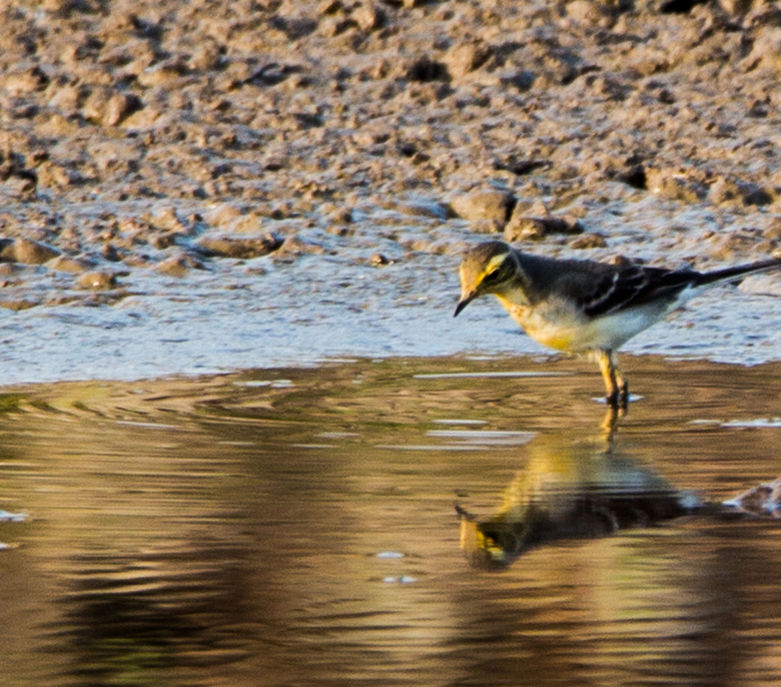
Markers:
{"x": 582, "y": 306}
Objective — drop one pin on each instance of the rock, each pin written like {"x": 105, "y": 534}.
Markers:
{"x": 466, "y": 57}
{"x": 368, "y": 16}
{"x": 588, "y": 240}
{"x": 293, "y": 245}
{"x": 53, "y": 175}
{"x": 239, "y": 246}
{"x": 67, "y": 98}
{"x": 162, "y": 74}
{"x": 120, "y": 106}
{"x": 537, "y": 228}
{"x": 18, "y": 304}
{"x": 24, "y": 79}
{"x": 178, "y": 265}
{"x": 63, "y": 263}
{"x": 97, "y": 281}
{"x": 727, "y": 190}
{"x": 206, "y": 57}
{"x": 773, "y": 231}
{"x": 96, "y": 103}
{"x": 109, "y": 252}
{"x": 420, "y": 208}
{"x": 684, "y": 185}
{"x": 584, "y": 11}
{"x": 28, "y": 252}
{"x": 492, "y": 207}
{"x": 736, "y": 7}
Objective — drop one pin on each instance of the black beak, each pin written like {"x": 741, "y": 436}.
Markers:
{"x": 463, "y": 303}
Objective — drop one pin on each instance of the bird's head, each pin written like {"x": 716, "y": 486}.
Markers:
{"x": 489, "y": 267}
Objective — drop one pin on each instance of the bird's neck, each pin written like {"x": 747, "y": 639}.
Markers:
{"x": 513, "y": 295}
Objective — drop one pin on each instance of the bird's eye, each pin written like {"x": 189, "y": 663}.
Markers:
{"x": 491, "y": 277}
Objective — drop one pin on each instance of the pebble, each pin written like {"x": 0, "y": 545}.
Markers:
{"x": 489, "y": 206}
{"x": 239, "y": 247}
{"x": 64, "y": 263}
{"x": 97, "y": 281}
{"x": 27, "y": 251}
{"x": 178, "y": 265}
{"x": 537, "y": 228}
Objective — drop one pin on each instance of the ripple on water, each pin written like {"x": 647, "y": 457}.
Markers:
{"x": 406, "y": 530}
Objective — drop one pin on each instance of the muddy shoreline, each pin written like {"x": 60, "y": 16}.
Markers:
{"x": 301, "y": 161}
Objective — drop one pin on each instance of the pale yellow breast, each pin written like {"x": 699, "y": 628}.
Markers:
{"x": 561, "y": 326}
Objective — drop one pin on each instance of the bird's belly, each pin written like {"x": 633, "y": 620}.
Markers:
{"x": 565, "y": 329}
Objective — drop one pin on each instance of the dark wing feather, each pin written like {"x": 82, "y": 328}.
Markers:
{"x": 634, "y": 285}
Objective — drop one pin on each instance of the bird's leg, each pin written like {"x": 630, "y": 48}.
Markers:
{"x": 623, "y": 385}
{"x": 607, "y": 367}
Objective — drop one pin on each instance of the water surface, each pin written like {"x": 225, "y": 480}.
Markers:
{"x": 394, "y": 522}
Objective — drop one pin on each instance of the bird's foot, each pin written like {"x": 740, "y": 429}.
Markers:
{"x": 618, "y": 399}
{"x": 623, "y": 395}
{"x": 618, "y": 393}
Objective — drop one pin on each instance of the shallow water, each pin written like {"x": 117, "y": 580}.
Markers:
{"x": 300, "y": 527}
{"x": 270, "y": 312}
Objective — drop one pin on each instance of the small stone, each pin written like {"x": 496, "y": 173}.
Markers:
{"x": 18, "y": 304}
{"x": 728, "y": 190}
{"x": 121, "y": 106}
{"x": 95, "y": 105}
{"x": 773, "y": 231}
{"x": 676, "y": 184}
{"x": 293, "y": 245}
{"x": 97, "y": 281}
{"x": 490, "y": 205}
{"x": 588, "y": 240}
{"x": 162, "y": 74}
{"x": 240, "y": 247}
{"x": 368, "y": 16}
{"x": 67, "y": 98}
{"x": 178, "y": 265}
{"x": 25, "y": 79}
{"x": 736, "y": 7}
{"x": 110, "y": 253}
{"x": 63, "y": 263}
{"x": 536, "y": 228}
{"x": 28, "y": 252}
{"x": 586, "y": 12}
{"x": 52, "y": 175}
{"x": 378, "y": 260}
{"x": 205, "y": 57}
{"x": 329, "y": 7}
{"x": 466, "y": 57}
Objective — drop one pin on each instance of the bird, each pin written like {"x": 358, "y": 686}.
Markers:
{"x": 585, "y": 306}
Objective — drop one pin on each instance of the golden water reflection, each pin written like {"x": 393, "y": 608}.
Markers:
{"x": 571, "y": 489}
{"x": 298, "y": 527}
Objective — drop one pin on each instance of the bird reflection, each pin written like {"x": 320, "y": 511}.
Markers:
{"x": 570, "y": 489}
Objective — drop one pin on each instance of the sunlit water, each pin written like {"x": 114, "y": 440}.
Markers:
{"x": 397, "y": 522}
{"x": 271, "y": 312}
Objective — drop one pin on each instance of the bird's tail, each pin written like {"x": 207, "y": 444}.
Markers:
{"x": 736, "y": 274}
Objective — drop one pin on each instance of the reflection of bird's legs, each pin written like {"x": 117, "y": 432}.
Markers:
{"x": 610, "y": 422}
{"x": 616, "y": 386}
